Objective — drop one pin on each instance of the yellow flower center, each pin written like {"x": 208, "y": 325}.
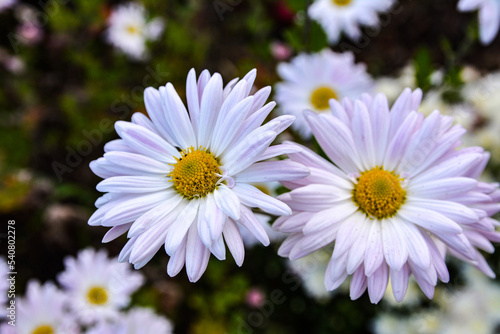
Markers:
{"x": 321, "y": 96}
{"x": 378, "y": 193}
{"x": 195, "y": 173}
{"x": 43, "y": 329}
{"x": 341, "y": 2}
{"x": 132, "y": 29}
{"x": 97, "y": 295}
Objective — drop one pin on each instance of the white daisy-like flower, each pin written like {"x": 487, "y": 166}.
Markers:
{"x": 311, "y": 80}
{"x": 129, "y": 29}
{"x": 43, "y": 310}
{"x": 399, "y": 196}
{"x": 183, "y": 180}
{"x": 98, "y": 286}
{"x": 489, "y": 17}
{"x": 337, "y": 16}
{"x": 139, "y": 320}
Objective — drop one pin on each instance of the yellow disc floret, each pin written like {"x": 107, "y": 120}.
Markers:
{"x": 97, "y": 295}
{"x": 196, "y": 173}
{"x": 320, "y": 97}
{"x": 43, "y": 329}
{"x": 378, "y": 193}
{"x": 342, "y": 2}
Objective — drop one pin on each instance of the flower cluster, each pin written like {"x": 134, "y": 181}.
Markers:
{"x": 396, "y": 196}
{"x": 95, "y": 291}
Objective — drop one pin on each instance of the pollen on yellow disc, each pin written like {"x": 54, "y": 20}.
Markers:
{"x": 195, "y": 173}
{"x": 97, "y": 295}
{"x": 378, "y": 193}
{"x": 320, "y": 97}
{"x": 131, "y": 29}
{"x": 43, "y": 329}
{"x": 341, "y": 2}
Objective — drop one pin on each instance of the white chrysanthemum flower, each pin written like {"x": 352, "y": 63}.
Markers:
{"x": 337, "y": 16}
{"x": 98, "y": 286}
{"x": 311, "y": 80}
{"x": 183, "y": 180}
{"x": 43, "y": 310}
{"x": 399, "y": 196}
{"x": 489, "y": 17}
{"x": 139, "y": 320}
{"x": 129, "y": 29}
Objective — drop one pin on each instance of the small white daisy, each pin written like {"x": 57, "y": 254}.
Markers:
{"x": 184, "y": 180}
{"x": 311, "y": 80}
{"x": 139, "y": 320}
{"x": 489, "y": 17}
{"x": 397, "y": 198}
{"x": 98, "y": 286}
{"x": 129, "y": 29}
{"x": 43, "y": 310}
{"x": 337, "y": 16}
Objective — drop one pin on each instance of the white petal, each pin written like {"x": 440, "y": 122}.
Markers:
{"x": 395, "y": 251}
{"x": 133, "y": 184}
{"x": 234, "y": 242}
{"x": 178, "y": 259}
{"x": 252, "y": 224}
{"x": 428, "y": 219}
{"x": 197, "y": 255}
{"x": 115, "y": 232}
{"x": 269, "y": 171}
{"x": 254, "y": 198}
{"x": 137, "y": 162}
{"x": 211, "y": 102}
{"x": 180, "y": 227}
{"x": 129, "y": 210}
{"x": 247, "y": 151}
{"x": 227, "y": 201}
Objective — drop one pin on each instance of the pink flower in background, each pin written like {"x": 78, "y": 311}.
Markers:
{"x": 399, "y": 196}
{"x": 280, "y": 50}
{"x": 183, "y": 181}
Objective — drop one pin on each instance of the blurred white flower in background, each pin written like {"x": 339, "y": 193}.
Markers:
{"x": 139, "y": 320}
{"x": 43, "y": 310}
{"x": 489, "y": 17}
{"x": 470, "y": 309}
{"x": 97, "y": 285}
{"x": 311, "y": 80}
{"x": 337, "y": 16}
{"x": 129, "y": 29}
